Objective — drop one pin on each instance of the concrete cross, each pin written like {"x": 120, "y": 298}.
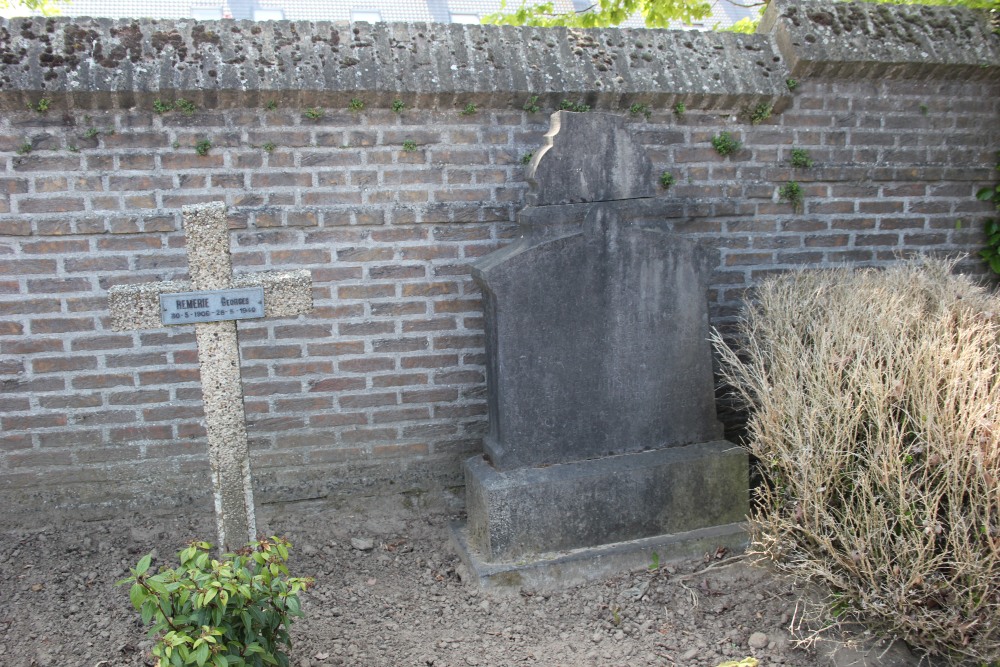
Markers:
{"x": 285, "y": 293}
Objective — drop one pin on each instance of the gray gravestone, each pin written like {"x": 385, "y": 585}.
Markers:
{"x": 603, "y": 428}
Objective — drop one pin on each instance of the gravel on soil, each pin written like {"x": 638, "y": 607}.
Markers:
{"x": 389, "y": 593}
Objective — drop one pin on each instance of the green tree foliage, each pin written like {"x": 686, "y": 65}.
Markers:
{"x": 659, "y": 13}
{"x": 28, "y": 7}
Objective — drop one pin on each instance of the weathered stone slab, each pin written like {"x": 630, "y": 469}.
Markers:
{"x": 597, "y": 343}
{"x": 589, "y": 158}
{"x": 601, "y": 501}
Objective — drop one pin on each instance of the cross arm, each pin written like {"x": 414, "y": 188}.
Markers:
{"x": 286, "y": 293}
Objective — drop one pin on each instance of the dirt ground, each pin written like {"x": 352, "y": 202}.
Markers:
{"x": 402, "y": 602}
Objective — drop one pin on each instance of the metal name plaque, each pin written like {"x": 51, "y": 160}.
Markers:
{"x": 212, "y": 306}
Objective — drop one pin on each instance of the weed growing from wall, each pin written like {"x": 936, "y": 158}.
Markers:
{"x": 760, "y": 113}
{"x": 531, "y": 106}
{"x": 526, "y": 158}
{"x": 355, "y": 105}
{"x": 800, "y": 158}
{"x": 579, "y": 107}
{"x": 791, "y": 192}
{"x": 680, "y": 109}
{"x": 725, "y": 144}
{"x": 398, "y": 106}
{"x": 203, "y": 147}
{"x": 666, "y": 180}
{"x": 313, "y": 113}
{"x": 469, "y": 110}
{"x": 643, "y": 109}
{"x": 409, "y": 146}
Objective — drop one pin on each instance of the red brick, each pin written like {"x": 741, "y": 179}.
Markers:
{"x": 74, "y": 438}
{"x": 429, "y": 289}
{"x": 51, "y": 205}
{"x": 54, "y": 246}
{"x": 366, "y": 364}
{"x": 337, "y": 384}
{"x": 460, "y": 377}
{"x": 63, "y": 364}
{"x": 361, "y": 435}
{"x": 62, "y": 325}
{"x": 399, "y": 380}
{"x": 172, "y": 376}
{"x": 29, "y": 422}
{"x": 271, "y": 352}
{"x": 367, "y": 400}
{"x": 441, "y": 395}
{"x": 366, "y": 291}
{"x": 436, "y": 324}
{"x": 399, "y": 451}
{"x": 138, "y": 397}
{"x": 39, "y": 458}
{"x": 459, "y": 342}
{"x": 400, "y": 415}
{"x": 102, "y": 381}
{"x": 18, "y": 267}
{"x": 11, "y": 442}
{"x": 365, "y": 254}
{"x": 71, "y": 401}
{"x": 365, "y": 328}
{"x": 146, "y": 432}
{"x": 110, "y": 342}
{"x": 334, "y": 419}
{"x": 399, "y": 345}
{"x": 335, "y": 349}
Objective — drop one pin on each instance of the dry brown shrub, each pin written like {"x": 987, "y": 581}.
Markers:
{"x": 874, "y": 400}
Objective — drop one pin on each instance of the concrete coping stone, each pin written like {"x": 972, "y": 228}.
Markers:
{"x": 93, "y": 63}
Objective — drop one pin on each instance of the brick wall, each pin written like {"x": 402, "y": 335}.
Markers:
{"x": 382, "y": 386}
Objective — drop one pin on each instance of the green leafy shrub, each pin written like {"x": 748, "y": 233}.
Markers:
{"x": 724, "y": 144}
{"x": 186, "y": 106}
{"x": 229, "y": 613}
{"x": 874, "y": 408}
{"x": 531, "y": 106}
{"x": 398, "y": 106}
{"x": 203, "y": 147}
{"x": 526, "y": 158}
{"x": 666, "y": 180}
{"x": 991, "y": 253}
{"x": 680, "y": 109}
{"x": 313, "y": 113}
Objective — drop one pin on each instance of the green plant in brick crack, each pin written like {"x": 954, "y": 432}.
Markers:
{"x": 724, "y": 144}
{"x": 760, "y": 113}
{"x": 579, "y": 107}
{"x": 409, "y": 146}
{"x": 42, "y": 106}
{"x": 159, "y": 106}
{"x": 232, "y": 612}
{"x": 792, "y": 84}
{"x": 398, "y": 106}
{"x": 24, "y": 148}
{"x": 531, "y": 106}
{"x": 91, "y": 133}
{"x": 271, "y": 105}
{"x": 791, "y": 192}
{"x": 355, "y": 105}
{"x": 313, "y": 113}
{"x": 991, "y": 253}
{"x": 800, "y": 158}
{"x": 269, "y": 147}
{"x": 186, "y": 106}
{"x": 679, "y": 109}
{"x": 469, "y": 110}
{"x": 643, "y": 109}
{"x": 526, "y": 158}
{"x": 202, "y": 147}
{"x": 666, "y": 180}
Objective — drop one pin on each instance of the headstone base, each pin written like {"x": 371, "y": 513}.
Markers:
{"x": 582, "y": 520}
{"x": 559, "y": 570}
